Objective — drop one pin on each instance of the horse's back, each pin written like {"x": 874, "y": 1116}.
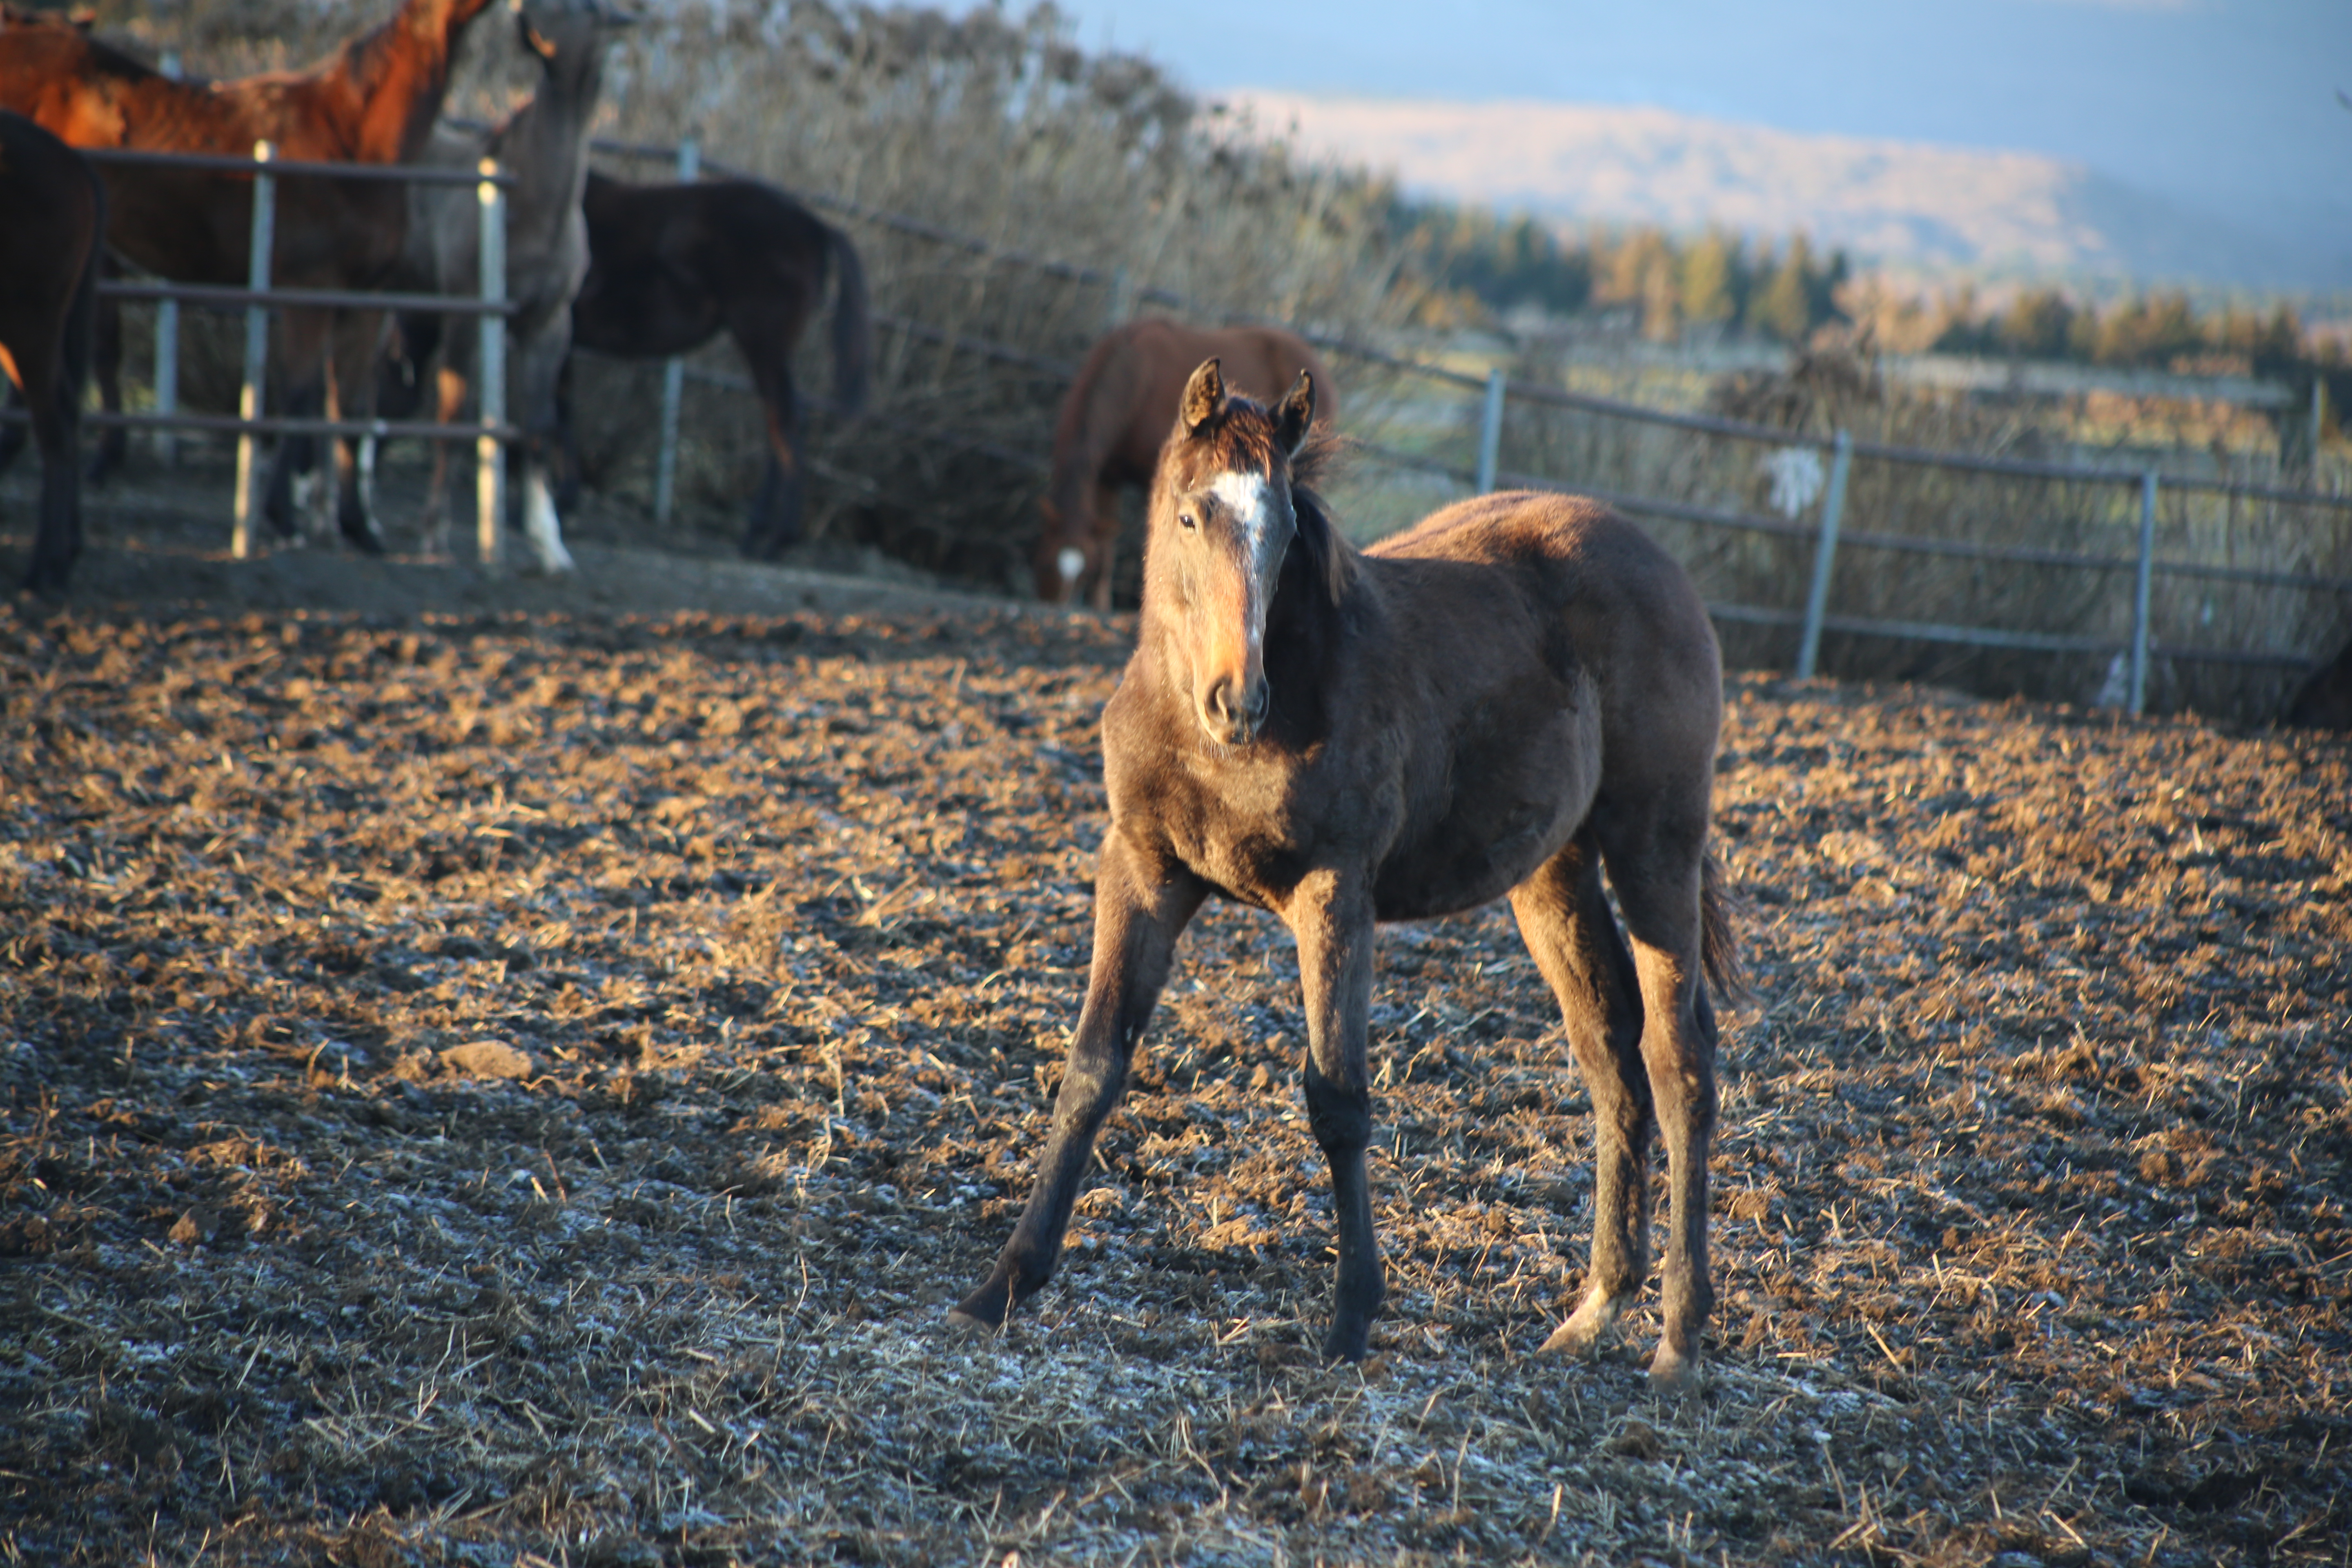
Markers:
{"x": 1609, "y": 602}
{"x": 1572, "y": 553}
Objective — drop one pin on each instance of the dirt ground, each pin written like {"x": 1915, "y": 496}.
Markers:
{"x": 559, "y": 1048}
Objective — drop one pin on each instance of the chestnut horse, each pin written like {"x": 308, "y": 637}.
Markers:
{"x": 670, "y": 264}
{"x": 52, "y": 216}
{"x": 1513, "y": 695}
{"x": 372, "y": 101}
{"x": 1107, "y": 434}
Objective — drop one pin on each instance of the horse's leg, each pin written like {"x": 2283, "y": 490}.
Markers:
{"x": 52, "y": 397}
{"x": 567, "y": 441}
{"x": 358, "y": 340}
{"x": 303, "y": 364}
{"x": 776, "y": 509}
{"x": 1141, "y": 903}
{"x": 449, "y": 385}
{"x": 1656, "y": 852}
{"x": 13, "y": 433}
{"x": 1106, "y": 543}
{"x": 1331, "y": 916}
{"x": 106, "y": 367}
{"x": 1565, "y": 920}
{"x": 538, "y": 360}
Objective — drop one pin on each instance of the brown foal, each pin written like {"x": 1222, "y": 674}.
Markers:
{"x": 1510, "y": 697}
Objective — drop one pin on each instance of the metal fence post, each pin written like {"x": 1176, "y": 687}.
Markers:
{"x": 167, "y": 336}
{"x": 1122, "y": 303}
{"x": 1490, "y": 431}
{"x": 490, "y": 454}
{"x": 1817, "y": 599}
{"x": 690, "y": 169}
{"x": 2142, "y": 581}
{"x": 257, "y": 346}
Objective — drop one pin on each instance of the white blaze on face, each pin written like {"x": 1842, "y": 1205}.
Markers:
{"x": 1246, "y": 498}
{"x": 1070, "y": 563}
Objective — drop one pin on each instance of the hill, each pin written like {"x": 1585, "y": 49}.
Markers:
{"x": 1900, "y": 205}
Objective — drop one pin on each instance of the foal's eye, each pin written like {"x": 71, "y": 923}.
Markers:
{"x": 1187, "y": 519}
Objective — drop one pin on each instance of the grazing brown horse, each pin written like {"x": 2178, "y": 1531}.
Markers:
{"x": 372, "y": 101}
{"x": 52, "y": 218}
{"x": 670, "y": 264}
{"x": 1111, "y": 423}
{"x": 1513, "y": 695}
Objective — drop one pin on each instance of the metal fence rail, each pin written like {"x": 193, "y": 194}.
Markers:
{"x": 258, "y": 298}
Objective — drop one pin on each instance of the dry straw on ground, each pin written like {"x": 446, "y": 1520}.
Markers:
{"x": 524, "y": 1089}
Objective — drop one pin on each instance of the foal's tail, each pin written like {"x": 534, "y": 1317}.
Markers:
{"x": 1718, "y": 942}
{"x": 853, "y": 329}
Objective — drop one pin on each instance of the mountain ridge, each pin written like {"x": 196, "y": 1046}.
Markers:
{"x": 1936, "y": 209}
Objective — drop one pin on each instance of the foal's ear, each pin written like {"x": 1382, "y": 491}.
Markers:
{"x": 1204, "y": 396}
{"x": 1294, "y": 415}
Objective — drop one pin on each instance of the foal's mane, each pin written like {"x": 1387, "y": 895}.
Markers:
{"x": 1333, "y": 556}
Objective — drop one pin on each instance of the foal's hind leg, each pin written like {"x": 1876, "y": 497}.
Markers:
{"x": 1567, "y": 928}
{"x": 1656, "y": 855}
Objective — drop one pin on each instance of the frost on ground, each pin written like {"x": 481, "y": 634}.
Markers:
{"x": 520, "y": 1091}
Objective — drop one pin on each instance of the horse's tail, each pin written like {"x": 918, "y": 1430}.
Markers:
{"x": 853, "y": 327}
{"x": 1719, "y": 939}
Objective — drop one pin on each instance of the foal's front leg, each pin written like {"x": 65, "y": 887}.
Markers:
{"x": 1331, "y": 916}
{"x": 1142, "y": 901}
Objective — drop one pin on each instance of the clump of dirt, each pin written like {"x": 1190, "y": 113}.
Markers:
{"x": 526, "y": 1086}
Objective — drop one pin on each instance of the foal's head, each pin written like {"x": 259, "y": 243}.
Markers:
{"x": 1224, "y": 515}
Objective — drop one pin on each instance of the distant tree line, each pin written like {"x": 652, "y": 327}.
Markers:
{"x": 1470, "y": 261}
{"x": 2157, "y": 331}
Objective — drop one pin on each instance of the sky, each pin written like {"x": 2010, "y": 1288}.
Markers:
{"x": 2223, "y": 106}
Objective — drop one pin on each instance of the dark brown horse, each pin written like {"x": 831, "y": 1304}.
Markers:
{"x": 372, "y": 101}
{"x": 52, "y": 216}
{"x": 1112, "y": 420}
{"x": 670, "y": 264}
{"x": 1515, "y": 694}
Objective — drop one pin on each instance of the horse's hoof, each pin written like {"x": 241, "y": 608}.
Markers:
{"x": 963, "y": 1325}
{"x": 1581, "y": 1334}
{"x": 1348, "y": 1343}
{"x": 1671, "y": 1371}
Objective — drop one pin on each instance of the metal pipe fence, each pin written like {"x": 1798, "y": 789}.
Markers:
{"x": 259, "y": 297}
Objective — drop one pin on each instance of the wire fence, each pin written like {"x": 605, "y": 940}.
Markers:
{"x": 261, "y": 297}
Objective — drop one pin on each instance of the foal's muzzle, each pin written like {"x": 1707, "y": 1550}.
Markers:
{"x": 1233, "y": 711}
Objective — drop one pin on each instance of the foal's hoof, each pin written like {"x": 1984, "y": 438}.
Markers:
{"x": 1348, "y": 1343}
{"x": 1581, "y": 1334}
{"x": 984, "y": 1311}
{"x": 963, "y": 1325}
{"x": 1671, "y": 1371}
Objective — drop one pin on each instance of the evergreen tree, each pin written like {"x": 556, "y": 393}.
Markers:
{"x": 1711, "y": 278}
{"x": 1781, "y": 307}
